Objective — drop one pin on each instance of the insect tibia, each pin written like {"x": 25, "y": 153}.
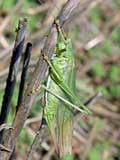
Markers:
{"x": 47, "y": 60}
{"x": 63, "y": 100}
{"x": 61, "y": 31}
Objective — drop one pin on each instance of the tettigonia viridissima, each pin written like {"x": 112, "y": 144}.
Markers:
{"x": 58, "y": 111}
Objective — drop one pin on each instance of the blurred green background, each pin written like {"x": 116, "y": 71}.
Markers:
{"x": 96, "y": 38}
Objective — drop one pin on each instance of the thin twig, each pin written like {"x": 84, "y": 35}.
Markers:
{"x": 37, "y": 140}
{"x": 5, "y": 126}
{"x": 90, "y": 101}
{"x": 3, "y": 148}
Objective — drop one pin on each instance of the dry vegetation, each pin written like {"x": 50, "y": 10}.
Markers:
{"x": 94, "y": 28}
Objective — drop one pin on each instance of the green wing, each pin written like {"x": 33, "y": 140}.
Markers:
{"x": 58, "y": 115}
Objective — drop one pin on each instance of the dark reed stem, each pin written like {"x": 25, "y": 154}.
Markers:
{"x": 13, "y": 70}
{"x": 26, "y": 61}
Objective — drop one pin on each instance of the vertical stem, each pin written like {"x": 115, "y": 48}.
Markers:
{"x": 37, "y": 140}
{"x": 26, "y": 61}
{"x": 13, "y": 70}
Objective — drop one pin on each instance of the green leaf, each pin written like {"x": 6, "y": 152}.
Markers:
{"x": 29, "y": 3}
{"x": 104, "y": 91}
{"x": 109, "y": 158}
{"x": 25, "y": 137}
{"x": 107, "y": 46}
{"x": 69, "y": 157}
{"x": 7, "y": 4}
{"x": 82, "y": 124}
{"x": 33, "y": 22}
{"x": 100, "y": 124}
{"x": 116, "y": 35}
{"x": 115, "y": 90}
{"x": 99, "y": 70}
{"x": 95, "y": 15}
{"x": 95, "y": 154}
{"x": 115, "y": 73}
